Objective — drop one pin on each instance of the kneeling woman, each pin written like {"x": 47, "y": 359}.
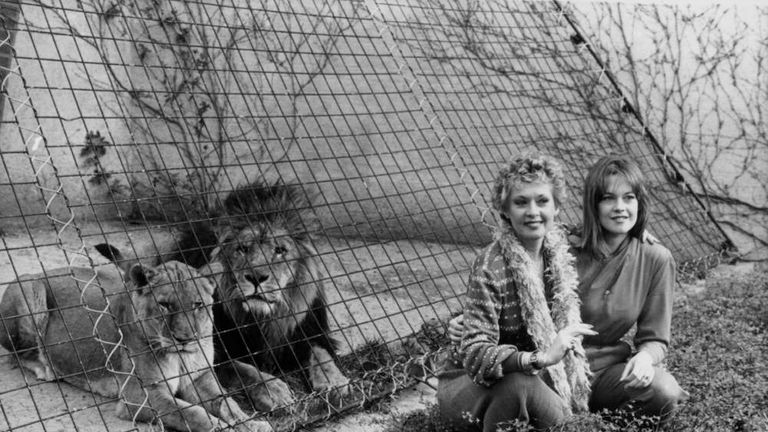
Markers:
{"x": 625, "y": 283}
{"x": 520, "y": 357}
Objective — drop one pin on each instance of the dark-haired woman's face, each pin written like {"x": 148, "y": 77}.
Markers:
{"x": 617, "y": 208}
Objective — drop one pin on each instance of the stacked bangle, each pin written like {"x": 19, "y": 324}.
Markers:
{"x": 534, "y": 361}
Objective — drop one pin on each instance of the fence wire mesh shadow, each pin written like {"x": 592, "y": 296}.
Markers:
{"x": 324, "y": 165}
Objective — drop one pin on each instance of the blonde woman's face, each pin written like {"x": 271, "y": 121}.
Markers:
{"x": 531, "y": 210}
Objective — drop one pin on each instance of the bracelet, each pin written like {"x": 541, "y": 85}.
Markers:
{"x": 534, "y": 360}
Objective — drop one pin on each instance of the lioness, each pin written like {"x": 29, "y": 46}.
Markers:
{"x": 270, "y": 312}
{"x": 164, "y": 315}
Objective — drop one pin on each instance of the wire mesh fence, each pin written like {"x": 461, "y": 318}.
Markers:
{"x": 324, "y": 164}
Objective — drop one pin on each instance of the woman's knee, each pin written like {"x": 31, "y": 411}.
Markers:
{"x": 516, "y": 388}
{"x": 667, "y": 394}
{"x": 525, "y": 398}
{"x": 457, "y": 411}
{"x": 516, "y": 396}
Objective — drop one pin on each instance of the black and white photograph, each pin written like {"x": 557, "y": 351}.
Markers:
{"x": 384, "y": 215}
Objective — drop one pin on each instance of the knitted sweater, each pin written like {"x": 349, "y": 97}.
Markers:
{"x": 493, "y": 324}
{"x": 498, "y": 325}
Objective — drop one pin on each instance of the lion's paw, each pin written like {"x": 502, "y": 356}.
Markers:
{"x": 270, "y": 395}
{"x": 326, "y": 376}
{"x": 338, "y": 387}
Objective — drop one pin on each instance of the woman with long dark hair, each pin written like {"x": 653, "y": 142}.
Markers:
{"x": 625, "y": 282}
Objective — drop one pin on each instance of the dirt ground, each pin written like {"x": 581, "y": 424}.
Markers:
{"x": 376, "y": 291}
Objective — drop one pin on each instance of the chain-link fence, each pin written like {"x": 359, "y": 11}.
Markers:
{"x": 325, "y": 164}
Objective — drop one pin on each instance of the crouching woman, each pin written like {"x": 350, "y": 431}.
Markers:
{"x": 520, "y": 357}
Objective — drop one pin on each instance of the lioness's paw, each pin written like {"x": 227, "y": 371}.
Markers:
{"x": 254, "y": 426}
{"x": 270, "y": 395}
{"x": 219, "y": 425}
{"x": 42, "y": 371}
{"x": 45, "y": 374}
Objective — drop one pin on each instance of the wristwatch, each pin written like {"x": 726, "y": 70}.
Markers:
{"x": 534, "y": 359}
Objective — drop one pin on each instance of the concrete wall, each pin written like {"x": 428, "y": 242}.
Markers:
{"x": 356, "y": 136}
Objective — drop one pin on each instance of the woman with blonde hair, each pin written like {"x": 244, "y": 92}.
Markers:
{"x": 520, "y": 356}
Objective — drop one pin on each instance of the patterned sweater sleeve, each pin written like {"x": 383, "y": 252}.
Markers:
{"x": 482, "y": 355}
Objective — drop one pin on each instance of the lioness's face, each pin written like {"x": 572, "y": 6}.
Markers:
{"x": 173, "y": 304}
{"x": 263, "y": 263}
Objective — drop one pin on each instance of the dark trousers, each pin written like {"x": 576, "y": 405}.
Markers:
{"x": 469, "y": 406}
{"x": 661, "y": 398}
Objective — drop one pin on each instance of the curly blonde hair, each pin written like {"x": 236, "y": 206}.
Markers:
{"x": 529, "y": 169}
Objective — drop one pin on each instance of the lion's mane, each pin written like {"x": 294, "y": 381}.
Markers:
{"x": 286, "y": 336}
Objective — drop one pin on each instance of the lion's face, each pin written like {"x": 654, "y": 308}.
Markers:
{"x": 172, "y": 303}
{"x": 269, "y": 275}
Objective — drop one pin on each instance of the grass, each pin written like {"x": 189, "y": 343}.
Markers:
{"x": 719, "y": 355}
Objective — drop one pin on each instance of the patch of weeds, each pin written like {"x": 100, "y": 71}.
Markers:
{"x": 424, "y": 420}
{"x": 719, "y": 355}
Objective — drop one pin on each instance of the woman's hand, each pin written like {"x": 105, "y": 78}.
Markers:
{"x": 564, "y": 342}
{"x": 456, "y": 329}
{"x": 639, "y": 372}
{"x": 649, "y": 238}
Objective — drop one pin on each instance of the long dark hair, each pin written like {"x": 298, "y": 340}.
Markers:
{"x": 595, "y": 187}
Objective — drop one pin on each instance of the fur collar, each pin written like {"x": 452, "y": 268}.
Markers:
{"x": 570, "y": 377}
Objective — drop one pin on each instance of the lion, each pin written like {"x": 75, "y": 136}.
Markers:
{"x": 270, "y": 311}
{"x": 158, "y": 320}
